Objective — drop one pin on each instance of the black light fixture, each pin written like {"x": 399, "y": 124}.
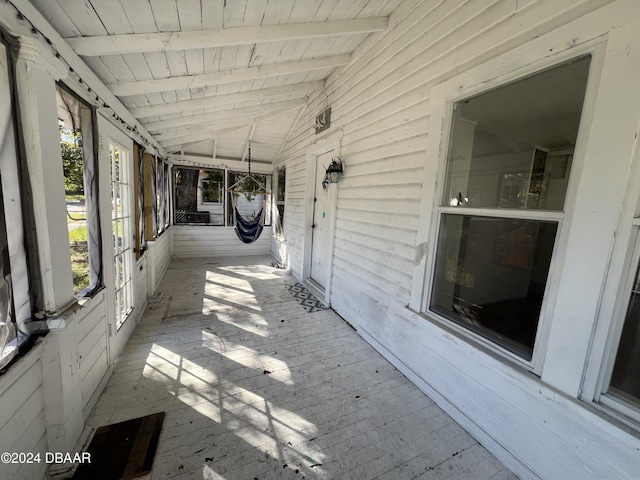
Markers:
{"x": 334, "y": 171}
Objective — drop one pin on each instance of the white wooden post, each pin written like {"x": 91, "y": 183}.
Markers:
{"x": 37, "y": 69}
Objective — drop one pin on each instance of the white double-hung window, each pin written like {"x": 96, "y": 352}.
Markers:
{"x": 500, "y": 207}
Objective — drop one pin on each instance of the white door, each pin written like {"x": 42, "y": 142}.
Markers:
{"x": 323, "y": 207}
{"x": 118, "y": 235}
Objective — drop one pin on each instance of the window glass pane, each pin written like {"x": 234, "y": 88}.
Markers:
{"x": 625, "y": 379}
{"x": 249, "y": 196}
{"x": 75, "y": 125}
{"x": 282, "y": 181}
{"x": 199, "y": 196}
{"x": 512, "y": 147}
{"x": 491, "y": 275}
{"x": 211, "y": 186}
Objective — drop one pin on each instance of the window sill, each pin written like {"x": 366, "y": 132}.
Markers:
{"x": 474, "y": 340}
{"x": 598, "y": 415}
{"x": 625, "y": 416}
{"x": 58, "y": 323}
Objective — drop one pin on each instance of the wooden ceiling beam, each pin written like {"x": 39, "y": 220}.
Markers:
{"x": 192, "y": 140}
{"x": 224, "y": 115}
{"x": 202, "y": 80}
{"x": 184, "y": 135}
{"x": 257, "y": 166}
{"x": 82, "y": 70}
{"x": 178, "y": 41}
{"x": 222, "y": 100}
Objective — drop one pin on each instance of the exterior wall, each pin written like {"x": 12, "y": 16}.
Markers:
{"x": 390, "y": 144}
{"x": 92, "y": 353}
{"x": 159, "y": 254}
{"x": 206, "y": 241}
{"x": 22, "y": 428}
{"x": 279, "y": 250}
{"x": 47, "y": 394}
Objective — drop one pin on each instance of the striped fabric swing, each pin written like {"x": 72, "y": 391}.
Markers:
{"x": 248, "y": 231}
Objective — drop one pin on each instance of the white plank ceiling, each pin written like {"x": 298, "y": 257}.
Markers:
{"x": 210, "y": 78}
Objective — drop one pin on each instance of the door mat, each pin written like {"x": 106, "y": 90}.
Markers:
{"x": 305, "y": 298}
{"x": 122, "y": 450}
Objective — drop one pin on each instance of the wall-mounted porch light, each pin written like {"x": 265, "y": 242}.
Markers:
{"x": 334, "y": 171}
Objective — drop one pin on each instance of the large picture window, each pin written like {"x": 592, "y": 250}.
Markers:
{"x": 506, "y": 178}
{"x": 246, "y": 197}
{"x": 199, "y": 196}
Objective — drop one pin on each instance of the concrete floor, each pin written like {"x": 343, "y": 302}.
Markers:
{"x": 254, "y": 387}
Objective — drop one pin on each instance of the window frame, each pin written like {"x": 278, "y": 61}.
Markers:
{"x": 612, "y": 315}
{"x": 220, "y": 188}
{"x": 615, "y": 333}
{"x": 199, "y": 197}
{"x": 444, "y": 96}
{"x": 231, "y": 178}
{"x": 12, "y": 186}
{"x": 124, "y": 184}
{"x": 94, "y": 242}
{"x": 162, "y": 196}
{"x": 279, "y": 230}
{"x": 138, "y": 200}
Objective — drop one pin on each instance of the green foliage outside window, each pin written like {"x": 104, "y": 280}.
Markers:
{"x": 71, "y": 146}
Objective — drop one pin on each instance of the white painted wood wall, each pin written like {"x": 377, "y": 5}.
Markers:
{"x": 22, "y": 428}
{"x": 380, "y": 107}
{"x": 212, "y": 241}
{"x": 47, "y": 395}
{"x": 158, "y": 257}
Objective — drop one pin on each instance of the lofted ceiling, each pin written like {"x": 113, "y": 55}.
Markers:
{"x": 209, "y": 78}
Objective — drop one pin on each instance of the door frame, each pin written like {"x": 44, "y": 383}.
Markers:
{"x": 328, "y": 144}
{"x": 116, "y": 337}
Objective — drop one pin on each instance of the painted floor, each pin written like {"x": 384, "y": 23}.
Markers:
{"x": 255, "y": 387}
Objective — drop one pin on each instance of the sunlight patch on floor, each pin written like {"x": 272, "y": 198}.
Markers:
{"x": 248, "y": 415}
{"x": 248, "y": 357}
{"x": 255, "y": 272}
{"x": 248, "y": 322}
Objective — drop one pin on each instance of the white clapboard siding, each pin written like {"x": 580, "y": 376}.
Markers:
{"x": 141, "y": 283}
{"x": 380, "y": 105}
{"x": 159, "y": 255}
{"x": 22, "y": 426}
{"x": 92, "y": 351}
{"x": 207, "y": 241}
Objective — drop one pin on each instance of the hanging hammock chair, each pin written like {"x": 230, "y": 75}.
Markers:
{"x": 248, "y": 231}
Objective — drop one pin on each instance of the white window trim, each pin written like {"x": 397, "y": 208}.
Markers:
{"x": 126, "y": 253}
{"x": 495, "y": 73}
{"x": 619, "y": 282}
